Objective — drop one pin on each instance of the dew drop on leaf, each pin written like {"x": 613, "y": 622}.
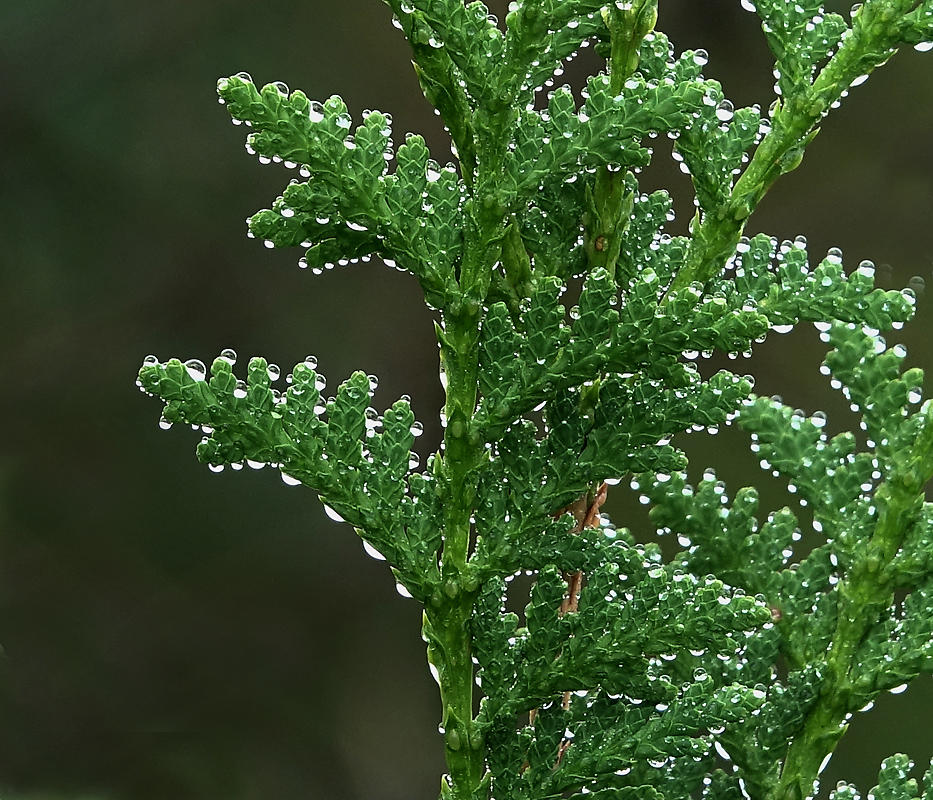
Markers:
{"x": 196, "y": 369}
{"x": 371, "y": 551}
{"x": 725, "y": 111}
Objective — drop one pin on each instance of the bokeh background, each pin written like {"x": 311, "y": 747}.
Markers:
{"x": 172, "y": 634}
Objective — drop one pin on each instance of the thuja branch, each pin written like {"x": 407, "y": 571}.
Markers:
{"x": 632, "y": 673}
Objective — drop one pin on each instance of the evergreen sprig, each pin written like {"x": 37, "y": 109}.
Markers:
{"x": 626, "y": 676}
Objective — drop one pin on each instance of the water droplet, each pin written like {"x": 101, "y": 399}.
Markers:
{"x": 725, "y": 111}
{"x": 416, "y": 428}
{"x": 333, "y": 514}
{"x": 289, "y": 480}
{"x": 700, "y": 57}
{"x": 372, "y": 419}
{"x": 196, "y": 369}
{"x": 228, "y": 355}
{"x": 834, "y": 255}
{"x": 311, "y": 362}
{"x": 274, "y": 372}
{"x": 371, "y": 551}
{"x": 898, "y": 689}
{"x": 164, "y": 424}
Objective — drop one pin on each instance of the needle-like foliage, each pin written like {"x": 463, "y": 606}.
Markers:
{"x": 732, "y": 669}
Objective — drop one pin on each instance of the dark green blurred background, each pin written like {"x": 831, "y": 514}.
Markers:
{"x": 174, "y": 634}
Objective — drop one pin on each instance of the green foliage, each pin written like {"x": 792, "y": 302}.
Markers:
{"x": 733, "y": 669}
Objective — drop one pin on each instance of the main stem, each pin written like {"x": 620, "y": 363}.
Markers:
{"x": 448, "y": 615}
